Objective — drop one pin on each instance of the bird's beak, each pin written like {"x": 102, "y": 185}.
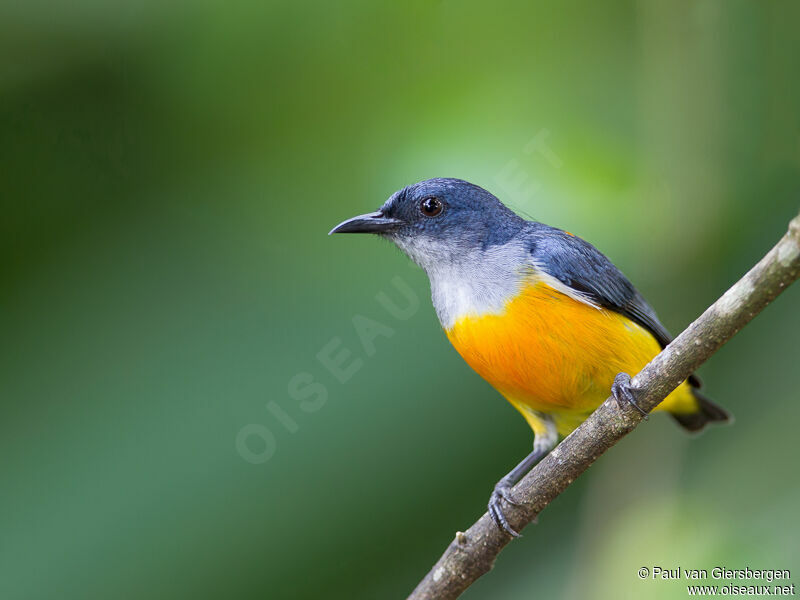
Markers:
{"x": 375, "y": 222}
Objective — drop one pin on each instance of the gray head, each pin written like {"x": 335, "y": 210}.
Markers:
{"x": 439, "y": 221}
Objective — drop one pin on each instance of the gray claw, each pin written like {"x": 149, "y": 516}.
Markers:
{"x": 623, "y": 393}
{"x": 501, "y": 492}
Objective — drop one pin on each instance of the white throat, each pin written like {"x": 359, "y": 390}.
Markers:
{"x": 473, "y": 283}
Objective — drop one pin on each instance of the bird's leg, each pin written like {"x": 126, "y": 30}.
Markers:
{"x": 622, "y": 390}
{"x": 544, "y": 441}
{"x": 502, "y": 491}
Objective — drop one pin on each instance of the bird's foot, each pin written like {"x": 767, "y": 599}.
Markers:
{"x": 623, "y": 393}
{"x": 502, "y": 492}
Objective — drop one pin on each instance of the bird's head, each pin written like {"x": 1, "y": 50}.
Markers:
{"x": 439, "y": 221}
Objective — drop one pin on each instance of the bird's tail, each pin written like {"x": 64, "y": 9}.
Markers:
{"x": 708, "y": 412}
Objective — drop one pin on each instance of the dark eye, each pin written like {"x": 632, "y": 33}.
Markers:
{"x": 431, "y": 207}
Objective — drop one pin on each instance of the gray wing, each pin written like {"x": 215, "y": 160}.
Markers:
{"x": 582, "y": 267}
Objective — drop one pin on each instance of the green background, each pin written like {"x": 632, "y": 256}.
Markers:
{"x": 169, "y": 173}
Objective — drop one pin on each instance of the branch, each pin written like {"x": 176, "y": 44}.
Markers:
{"x": 474, "y": 552}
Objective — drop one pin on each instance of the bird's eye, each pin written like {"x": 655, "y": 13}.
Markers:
{"x": 431, "y": 206}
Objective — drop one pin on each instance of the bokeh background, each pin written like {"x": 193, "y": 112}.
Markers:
{"x": 169, "y": 173}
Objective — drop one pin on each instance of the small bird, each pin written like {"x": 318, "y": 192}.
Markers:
{"x": 539, "y": 313}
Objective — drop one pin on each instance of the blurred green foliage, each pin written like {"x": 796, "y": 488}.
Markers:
{"x": 169, "y": 172}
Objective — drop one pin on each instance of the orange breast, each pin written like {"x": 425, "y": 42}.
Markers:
{"x": 552, "y": 353}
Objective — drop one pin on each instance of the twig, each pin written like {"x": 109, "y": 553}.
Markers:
{"x": 473, "y": 553}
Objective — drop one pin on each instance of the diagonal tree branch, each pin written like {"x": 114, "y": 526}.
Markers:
{"x": 473, "y": 553}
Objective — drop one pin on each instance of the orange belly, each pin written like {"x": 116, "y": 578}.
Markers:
{"x": 557, "y": 355}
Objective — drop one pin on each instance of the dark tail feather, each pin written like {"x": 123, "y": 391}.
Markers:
{"x": 708, "y": 413}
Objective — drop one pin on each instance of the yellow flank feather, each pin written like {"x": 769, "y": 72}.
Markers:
{"x": 550, "y": 353}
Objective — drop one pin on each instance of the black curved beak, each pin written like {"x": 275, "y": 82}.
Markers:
{"x": 375, "y": 222}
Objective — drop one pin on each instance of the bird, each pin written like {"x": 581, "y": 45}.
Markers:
{"x": 542, "y": 315}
